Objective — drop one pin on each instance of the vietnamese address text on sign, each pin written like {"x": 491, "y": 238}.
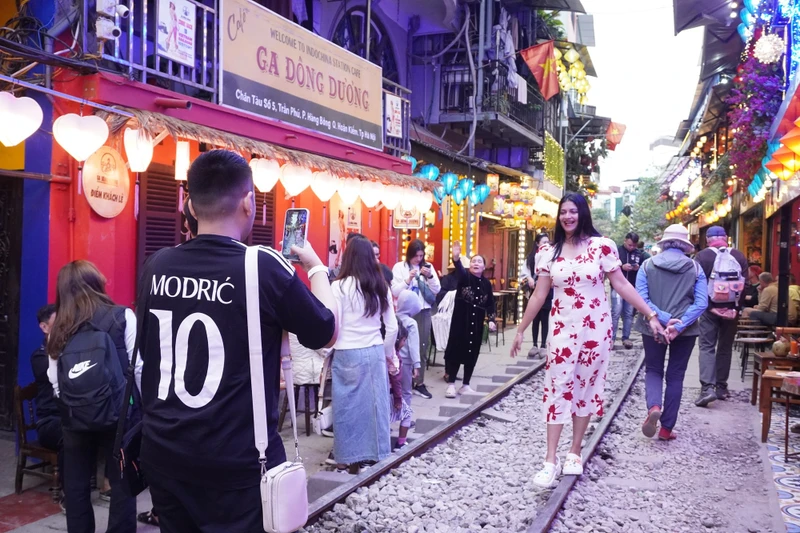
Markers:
{"x": 277, "y": 69}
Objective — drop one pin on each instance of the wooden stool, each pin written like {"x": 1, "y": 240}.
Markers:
{"x": 28, "y": 449}
{"x": 757, "y": 340}
{"x": 310, "y": 390}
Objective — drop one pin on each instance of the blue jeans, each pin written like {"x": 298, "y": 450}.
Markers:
{"x": 620, "y": 307}
{"x": 680, "y": 350}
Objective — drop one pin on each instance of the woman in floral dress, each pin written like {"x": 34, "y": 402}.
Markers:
{"x": 576, "y": 264}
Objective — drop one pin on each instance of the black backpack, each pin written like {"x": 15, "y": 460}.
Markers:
{"x": 91, "y": 379}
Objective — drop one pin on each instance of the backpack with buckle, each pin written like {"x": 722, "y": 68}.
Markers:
{"x": 726, "y": 283}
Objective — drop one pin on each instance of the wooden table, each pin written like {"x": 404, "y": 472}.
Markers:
{"x": 506, "y": 294}
{"x": 766, "y": 360}
{"x": 790, "y": 389}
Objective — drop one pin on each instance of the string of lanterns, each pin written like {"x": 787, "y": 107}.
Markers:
{"x": 574, "y": 76}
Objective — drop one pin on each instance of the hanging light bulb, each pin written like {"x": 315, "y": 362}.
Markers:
{"x": 139, "y": 149}
{"x": 19, "y": 118}
{"x": 81, "y": 137}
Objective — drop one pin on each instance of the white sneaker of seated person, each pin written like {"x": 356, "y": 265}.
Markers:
{"x": 546, "y": 477}
{"x": 573, "y": 465}
{"x": 466, "y": 389}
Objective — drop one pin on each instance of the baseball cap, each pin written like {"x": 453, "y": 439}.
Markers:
{"x": 716, "y": 231}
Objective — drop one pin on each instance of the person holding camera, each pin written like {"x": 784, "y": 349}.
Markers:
{"x": 414, "y": 274}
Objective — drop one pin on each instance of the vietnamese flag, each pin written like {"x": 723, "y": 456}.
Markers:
{"x": 542, "y": 61}
{"x": 614, "y": 134}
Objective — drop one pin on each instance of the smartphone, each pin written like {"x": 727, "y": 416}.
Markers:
{"x": 295, "y": 231}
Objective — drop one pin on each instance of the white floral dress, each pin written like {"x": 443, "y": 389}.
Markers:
{"x": 580, "y": 330}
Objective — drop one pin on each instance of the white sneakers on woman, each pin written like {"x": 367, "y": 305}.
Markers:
{"x": 450, "y": 392}
{"x": 546, "y": 477}
{"x": 466, "y": 389}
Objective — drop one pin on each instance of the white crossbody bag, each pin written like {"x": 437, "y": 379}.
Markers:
{"x": 284, "y": 496}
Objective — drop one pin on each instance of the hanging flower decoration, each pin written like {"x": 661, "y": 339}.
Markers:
{"x": 769, "y": 48}
{"x": 754, "y": 102}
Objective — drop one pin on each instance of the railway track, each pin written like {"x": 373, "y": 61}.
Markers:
{"x": 473, "y": 472}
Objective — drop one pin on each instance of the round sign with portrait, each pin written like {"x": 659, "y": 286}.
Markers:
{"x": 106, "y": 183}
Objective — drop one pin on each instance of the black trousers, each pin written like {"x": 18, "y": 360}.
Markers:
{"x": 184, "y": 507}
{"x": 542, "y": 319}
{"x": 52, "y": 438}
{"x": 451, "y": 369}
{"x": 80, "y": 454}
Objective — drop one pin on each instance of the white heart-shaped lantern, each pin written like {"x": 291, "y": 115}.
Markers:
{"x": 349, "y": 190}
{"x": 371, "y": 193}
{"x": 265, "y": 173}
{"x": 80, "y": 136}
{"x": 295, "y": 179}
{"x": 324, "y": 185}
{"x": 19, "y": 118}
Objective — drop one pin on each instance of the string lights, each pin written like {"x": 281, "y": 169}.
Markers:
{"x": 520, "y": 266}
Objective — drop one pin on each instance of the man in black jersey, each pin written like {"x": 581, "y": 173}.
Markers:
{"x": 198, "y": 447}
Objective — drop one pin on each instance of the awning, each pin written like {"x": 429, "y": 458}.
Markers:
{"x": 722, "y": 49}
{"x": 716, "y": 109}
{"x": 155, "y": 123}
{"x": 555, "y": 5}
{"x": 694, "y": 13}
{"x": 674, "y": 168}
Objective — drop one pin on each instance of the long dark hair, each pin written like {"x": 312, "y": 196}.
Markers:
{"x": 414, "y": 247}
{"x": 531, "y": 261}
{"x": 585, "y": 227}
{"x": 359, "y": 263}
{"x": 80, "y": 292}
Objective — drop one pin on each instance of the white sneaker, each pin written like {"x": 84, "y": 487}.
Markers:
{"x": 450, "y": 392}
{"x": 573, "y": 466}
{"x": 466, "y": 389}
{"x": 546, "y": 477}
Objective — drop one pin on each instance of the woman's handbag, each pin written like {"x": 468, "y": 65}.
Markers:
{"x": 284, "y": 496}
{"x": 324, "y": 417}
{"x": 440, "y": 322}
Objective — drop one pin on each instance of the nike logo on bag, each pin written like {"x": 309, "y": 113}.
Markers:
{"x": 79, "y": 369}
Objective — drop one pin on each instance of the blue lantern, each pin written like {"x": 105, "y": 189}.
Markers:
{"x": 458, "y": 196}
{"x": 466, "y": 185}
{"x": 772, "y": 147}
{"x": 418, "y": 175}
{"x": 751, "y": 5}
{"x": 475, "y": 197}
{"x": 439, "y": 194}
{"x": 412, "y": 160}
{"x": 483, "y": 191}
{"x": 744, "y": 32}
{"x": 449, "y": 182}
{"x": 430, "y": 172}
{"x": 746, "y": 16}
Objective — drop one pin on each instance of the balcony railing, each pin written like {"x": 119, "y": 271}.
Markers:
{"x": 135, "y": 54}
{"x": 498, "y": 96}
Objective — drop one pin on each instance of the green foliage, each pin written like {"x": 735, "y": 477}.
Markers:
{"x": 622, "y": 226}
{"x": 553, "y": 23}
{"x": 648, "y": 217}
{"x": 601, "y": 219}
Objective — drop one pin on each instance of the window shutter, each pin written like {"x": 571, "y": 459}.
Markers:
{"x": 261, "y": 234}
{"x": 159, "y": 219}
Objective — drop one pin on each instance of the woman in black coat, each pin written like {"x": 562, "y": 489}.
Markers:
{"x": 474, "y": 302}
{"x": 542, "y": 320}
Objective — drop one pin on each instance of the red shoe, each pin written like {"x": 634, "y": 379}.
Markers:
{"x": 651, "y": 421}
{"x": 666, "y": 434}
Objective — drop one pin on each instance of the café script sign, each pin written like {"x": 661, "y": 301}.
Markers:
{"x": 106, "y": 183}
{"x": 274, "y": 68}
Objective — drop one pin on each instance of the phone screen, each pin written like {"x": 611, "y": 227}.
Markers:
{"x": 295, "y": 231}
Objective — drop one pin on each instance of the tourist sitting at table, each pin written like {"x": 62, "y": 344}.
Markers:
{"x": 754, "y": 289}
{"x": 766, "y": 311}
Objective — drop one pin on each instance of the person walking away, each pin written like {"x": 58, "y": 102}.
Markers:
{"x": 766, "y": 311}
{"x": 542, "y": 320}
{"x": 360, "y": 388}
{"x": 580, "y": 328}
{"x": 675, "y": 287}
{"x": 90, "y": 346}
{"x": 474, "y": 302}
{"x": 48, "y": 418}
{"x": 416, "y": 275}
{"x": 196, "y": 385}
{"x": 631, "y": 258}
{"x": 401, "y": 383}
{"x": 718, "y": 322}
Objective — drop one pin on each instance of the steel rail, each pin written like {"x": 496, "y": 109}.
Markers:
{"x": 430, "y": 439}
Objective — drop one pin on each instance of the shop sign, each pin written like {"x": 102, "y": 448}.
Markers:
{"x": 407, "y": 219}
{"x": 394, "y": 116}
{"x": 274, "y": 68}
{"x": 105, "y": 182}
{"x": 782, "y": 193}
{"x": 175, "y": 30}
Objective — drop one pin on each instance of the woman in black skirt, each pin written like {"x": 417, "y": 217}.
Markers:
{"x": 542, "y": 320}
{"x": 474, "y": 302}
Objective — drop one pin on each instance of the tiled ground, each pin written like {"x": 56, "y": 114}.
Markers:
{"x": 786, "y": 475}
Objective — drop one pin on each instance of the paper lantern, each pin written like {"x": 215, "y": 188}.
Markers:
{"x": 449, "y": 182}
{"x": 349, "y": 190}
{"x": 792, "y": 140}
{"x": 424, "y": 201}
{"x": 19, "y": 119}
{"x": 138, "y": 148}
{"x": 391, "y": 196}
{"x": 483, "y": 192}
{"x": 774, "y": 166}
{"x": 295, "y": 179}
{"x": 412, "y": 160}
{"x": 439, "y": 194}
{"x": 80, "y": 136}
{"x": 323, "y": 185}
{"x": 409, "y": 199}
{"x": 466, "y": 185}
{"x": 266, "y": 173}
{"x": 371, "y": 193}
{"x": 474, "y": 197}
{"x": 182, "y": 160}
{"x": 458, "y": 196}
{"x": 746, "y": 16}
{"x": 430, "y": 172}
{"x": 788, "y": 158}
{"x": 571, "y": 55}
